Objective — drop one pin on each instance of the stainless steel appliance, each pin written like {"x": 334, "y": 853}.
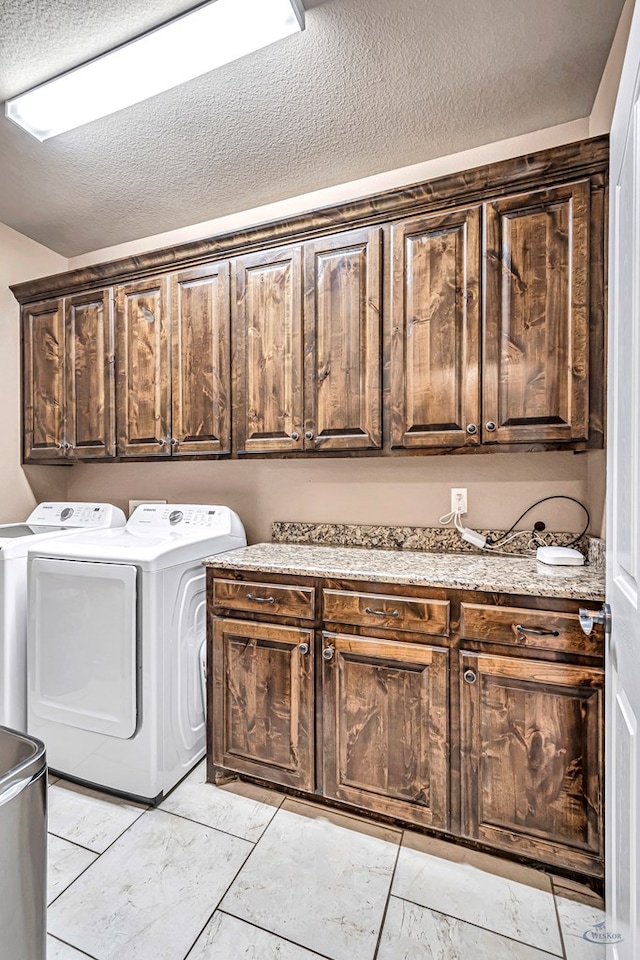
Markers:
{"x": 23, "y": 846}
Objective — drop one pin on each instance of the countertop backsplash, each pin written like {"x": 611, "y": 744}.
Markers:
{"x": 427, "y": 539}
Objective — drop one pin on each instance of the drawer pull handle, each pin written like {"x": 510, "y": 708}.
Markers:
{"x": 470, "y": 676}
{"x": 382, "y": 613}
{"x": 303, "y": 648}
{"x": 538, "y": 631}
{"x": 250, "y": 596}
{"x": 328, "y": 652}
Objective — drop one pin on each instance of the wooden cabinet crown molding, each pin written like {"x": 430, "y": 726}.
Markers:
{"x": 543, "y": 168}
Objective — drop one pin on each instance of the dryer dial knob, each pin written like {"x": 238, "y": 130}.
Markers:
{"x": 67, "y": 513}
{"x": 175, "y": 516}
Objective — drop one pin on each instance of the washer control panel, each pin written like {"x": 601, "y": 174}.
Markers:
{"x": 179, "y": 518}
{"x": 85, "y": 516}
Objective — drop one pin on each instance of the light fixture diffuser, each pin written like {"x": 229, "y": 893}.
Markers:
{"x": 185, "y": 48}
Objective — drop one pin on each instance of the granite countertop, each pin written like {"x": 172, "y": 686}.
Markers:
{"x": 494, "y": 574}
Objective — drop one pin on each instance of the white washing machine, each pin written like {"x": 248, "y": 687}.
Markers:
{"x": 116, "y": 622}
{"x": 48, "y": 520}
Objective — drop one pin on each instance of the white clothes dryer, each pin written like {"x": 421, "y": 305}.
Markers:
{"x": 116, "y": 622}
{"x": 46, "y": 521}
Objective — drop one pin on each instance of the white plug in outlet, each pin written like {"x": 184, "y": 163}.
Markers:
{"x": 458, "y": 499}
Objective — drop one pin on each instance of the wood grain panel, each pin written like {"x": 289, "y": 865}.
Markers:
{"x": 342, "y": 283}
{"x": 91, "y": 415}
{"x": 385, "y": 709}
{"x": 536, "y": 349}
{"x": 43, "y": 380}
{"x": 200, "y": 361}
{"x": 143, "y": 369}
{"x": 268, "y": 351}
{"x": 541, "y": 629}
{"x": 435, "y": 336}
{"x": 532, "y": 757}
{"x": 265, "y": 598}
{"x": 263, "y": 701}
{"x": 384, "y": 610}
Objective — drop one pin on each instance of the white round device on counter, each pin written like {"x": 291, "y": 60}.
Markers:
{"x": 560, "y": 556}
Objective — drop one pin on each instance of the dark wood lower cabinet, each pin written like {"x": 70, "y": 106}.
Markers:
{"x": 263, "y": 701}
{"x": 478, "y": 716}
{"x": 386, "y": 731}
{"x": 532, "y": 758}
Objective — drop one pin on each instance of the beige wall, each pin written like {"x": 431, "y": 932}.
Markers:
{"x": 413, "y": 491}
{"x": 20, "y": 259}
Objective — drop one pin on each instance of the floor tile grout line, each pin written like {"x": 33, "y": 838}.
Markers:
{"x": 228, "y": 833}
{"x": 388, "y": 898}
{"x": 80, "y": 846}
{"x": 82, "y": 953}
{"x": 469, "y": 923}
{"x": 562, "y": 943}
{"x": 223, "y": 895}
{"x": 71, "y": 882}
{"x": 126, "y": 830}
{"x": 279, "y": 936}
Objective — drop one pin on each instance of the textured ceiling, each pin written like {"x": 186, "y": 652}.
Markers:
{"x": 370, "y": 85}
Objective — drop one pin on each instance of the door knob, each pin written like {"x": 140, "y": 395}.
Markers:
{"x": 589, "y": 618}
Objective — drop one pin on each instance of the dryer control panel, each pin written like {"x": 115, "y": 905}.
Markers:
{"x": 85, "y": 516}
{"x": 181, "y": 518}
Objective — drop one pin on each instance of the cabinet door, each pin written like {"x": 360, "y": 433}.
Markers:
{"x": 143, "y": 377}
{"x": 386, "y": 738}
{"x": 200, "y": 374}
{"x": 342, "y": 341}
{"x": 43, "y": 380}
{"x": 263, "y": 701}
{"x": 435, "y": 333}
{"x": 91, "y": 428}
{"x": 268, "y": 351}
{"x": 532, "y": 758}
{"x": 536, "y": 345}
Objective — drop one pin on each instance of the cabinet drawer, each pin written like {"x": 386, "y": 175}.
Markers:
{"x": 385, "y": 610}
{"x": 541, "y": 629}
{"x": 268, "y": 598}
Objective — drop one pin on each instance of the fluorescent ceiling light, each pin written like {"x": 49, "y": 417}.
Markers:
{"x": 195, "y": 43}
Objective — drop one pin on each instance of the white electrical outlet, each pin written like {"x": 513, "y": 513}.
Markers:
{"x": 458, "y": 499}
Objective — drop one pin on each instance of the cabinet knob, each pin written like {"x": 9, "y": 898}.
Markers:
{"x": 308, "y": 435}
{"x": 328, "y": 653}
{"x": 490, "y": 426}
{"x": 174, "y": 441}
{"x": 470, "y": 676}
{"x": 295, "y": 435}
{"x": 59, "y": 446}
{"x": 162, "y": 442}
{"x": 303, "y": 648}
{"x": 471, "y": 428}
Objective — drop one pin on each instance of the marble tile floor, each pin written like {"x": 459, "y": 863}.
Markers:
{"x": 244, "y": 873}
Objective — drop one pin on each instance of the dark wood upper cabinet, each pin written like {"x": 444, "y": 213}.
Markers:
{"x": 435, "y": 331}
{"x": 532, "y": 758}
{"x": 90, "y": 426}
{"x": 386, "y": 727}
{"x": 342, "y": 289}
{"x": 263, "y": 722}
{"x": 143, "y": 370}
{"x": 268, "y": 355}
{"x": 200, "y": 361}
{"x": 536, "y": 342}
{"x": 43, "y": 380}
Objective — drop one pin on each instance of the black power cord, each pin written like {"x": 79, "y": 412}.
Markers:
{"x": 557, "y": 496}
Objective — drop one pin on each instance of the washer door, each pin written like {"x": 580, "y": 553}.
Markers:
{"x": 82, "y": 650}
